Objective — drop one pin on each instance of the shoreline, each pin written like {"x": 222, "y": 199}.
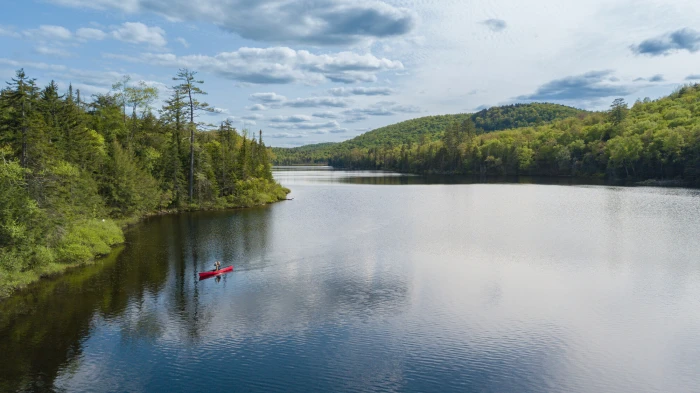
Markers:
{"x": 21, "y": 280}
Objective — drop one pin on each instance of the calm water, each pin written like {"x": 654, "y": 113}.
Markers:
{"x": 376, "y": 282}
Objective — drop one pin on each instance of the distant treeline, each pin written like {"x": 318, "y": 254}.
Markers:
{"x": 657, "y": 139}
{"x": 427, "y": 129}
{"x": 73, "y": 170}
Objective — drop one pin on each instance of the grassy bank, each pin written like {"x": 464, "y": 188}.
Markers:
{"x": 87, "y": 240}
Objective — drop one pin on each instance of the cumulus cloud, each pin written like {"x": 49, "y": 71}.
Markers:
{"x": 693, "y": 77}
{"x": 338, "y": 130}
{"x": 132, "y": 32}
{"x": 257, "y": 107}
{"x": 49, "y": 32}
{"x": 383, "y": 108}
{"x": 364, "y": 91}
{"x": 495, "y": 25}
{"x": 268, "y": 98}
{"x": 305, "y": 125}
{"x": 88, "y": 81}
{"x": 326, "y": 115}
{"x": 274, "y": 100}
{"x": 285, "y": 135}
{"x": 657, "y": 78}
{"x": 183, "y": 42}
{"x": 290, "y": 119}
{"x": 90, "y": 34}
{"x": 139, "y": 33}
{"x": 587, "y": 87}
{"x": 52, "y": 51}
{"x": 320, "y": 22}
{"x": 316, "y": 102}
{"x": 9, "y": 32}
{"x": 277, "y": 65}
{"x": 33, "y": 65}
{"x": 254, "y": 116}
{"x": 683, "y": 39}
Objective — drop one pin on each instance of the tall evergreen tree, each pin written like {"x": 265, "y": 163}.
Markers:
{"x": 189, "y": 89}
{"x": 20, "y": 99}
{"x": 173, "y": 113}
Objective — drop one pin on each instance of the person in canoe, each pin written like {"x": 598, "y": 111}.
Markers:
{"x": 217, "y": 266}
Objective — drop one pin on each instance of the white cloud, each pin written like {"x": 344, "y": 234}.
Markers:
{"x": 267, "y": 98}
{"x": 90, "y": 34}
{"x": 52, "y": 51}
{"x": 382, "y": 108}
{"x": 257, "y": 107}
{"x": 9, "y": 32}
{"x": 363, "y": 91}
{"x": 254, "y": 116}
{"x": 277, "y": 65}
{"x": 49, "y": 32}
{"x": 326, "y": 115}
{"x": 286, "y": 135}
{"x": 306, "y": 125}
{"x": 322, "y": 22}
{"x": 290, "y": 119}
{"x": 139, "y": 33}
{"x": 316, "y": 102}
{"x": 183, "y": 42}
{"x": 34, "y": 65}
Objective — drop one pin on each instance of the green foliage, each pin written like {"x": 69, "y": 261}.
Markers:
{"x": 425, "y": 130}
{"x": 652, "y": 140}
{"x": 128, "y": 189}
{"x": 87, "y": 238}
{"x": 257, "y": 191}
{"x": 69, "y": 169}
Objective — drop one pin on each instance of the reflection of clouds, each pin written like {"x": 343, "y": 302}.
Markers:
{"x": 464, "y": 287}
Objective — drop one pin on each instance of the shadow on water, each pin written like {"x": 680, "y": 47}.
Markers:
{"x": 148, "y": 291}
{"x": 42, "y": 328}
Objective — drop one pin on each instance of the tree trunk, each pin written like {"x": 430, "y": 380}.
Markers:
{"x": 24, "y": 137}
{"x": 189, "y": 93}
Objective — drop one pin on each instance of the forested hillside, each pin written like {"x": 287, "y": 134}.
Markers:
{"x": 427, "y": 129}
{"x": 72, "y": 171}
{"x": 653, "y": 140}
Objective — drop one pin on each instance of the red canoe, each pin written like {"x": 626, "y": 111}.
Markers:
{"x": 213, "y": 273}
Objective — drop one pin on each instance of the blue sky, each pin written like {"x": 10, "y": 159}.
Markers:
{"x": 309, "y": 71}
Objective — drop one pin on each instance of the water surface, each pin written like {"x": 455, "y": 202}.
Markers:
{"x": 371, "y": 281}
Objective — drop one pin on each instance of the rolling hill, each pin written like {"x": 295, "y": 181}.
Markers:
{"x": 427, "y": 129}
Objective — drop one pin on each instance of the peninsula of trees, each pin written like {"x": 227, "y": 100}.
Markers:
{"x": 73, "y": 171}
{"x": 654, "y": 139}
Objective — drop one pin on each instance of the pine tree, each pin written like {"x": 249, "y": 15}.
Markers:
{"x": 189, "y": 90}
{"x": 173, "y": 113}
{"x": 19, "y": 99}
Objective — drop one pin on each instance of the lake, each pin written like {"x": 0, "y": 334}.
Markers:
{"x": 372, "y": 281}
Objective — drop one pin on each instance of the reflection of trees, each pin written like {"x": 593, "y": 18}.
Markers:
{"x": 42, "y": 328}
{"x": 150, "y": 290}
{"x": 393, "y": 180}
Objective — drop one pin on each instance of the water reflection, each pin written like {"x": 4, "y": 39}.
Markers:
{"x": 299, "y": 175}
{"x": 149, "y": 294}
{"x": 452, "y": 287}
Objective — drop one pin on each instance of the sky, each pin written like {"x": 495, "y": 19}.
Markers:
{"x": 311, "y": 71}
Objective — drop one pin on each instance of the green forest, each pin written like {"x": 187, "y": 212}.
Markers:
{"x": 652, "y": 140}
{"x": 426, "y": 129}
{"x": 75, "y": 171}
